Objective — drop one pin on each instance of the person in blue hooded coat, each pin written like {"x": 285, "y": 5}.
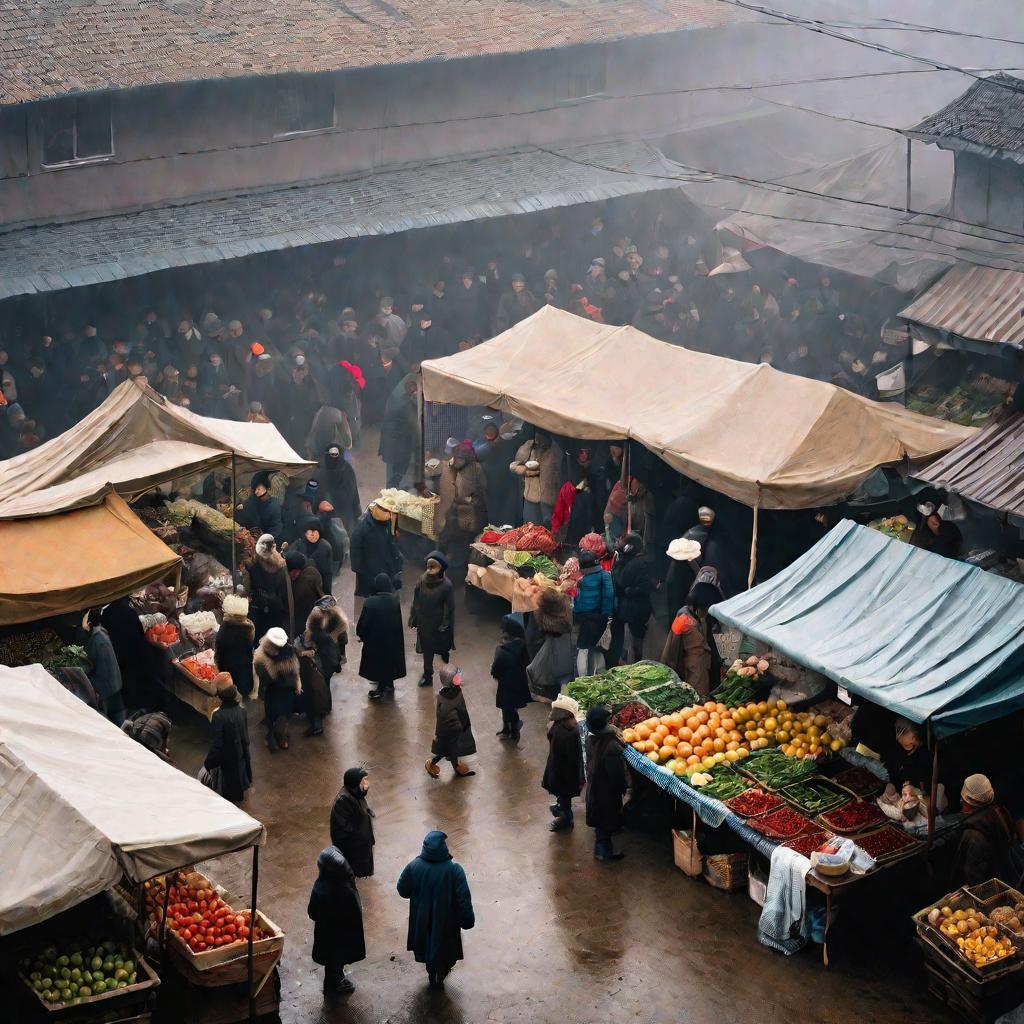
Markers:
{"x": 440, "y": 907}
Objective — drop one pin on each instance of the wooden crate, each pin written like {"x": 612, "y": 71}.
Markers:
{"x": 977, "y": 1009}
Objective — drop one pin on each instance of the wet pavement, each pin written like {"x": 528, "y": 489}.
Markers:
{"x": 559, "y": 937}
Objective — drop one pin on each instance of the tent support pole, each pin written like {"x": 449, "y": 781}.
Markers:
{"x": 933, "y": 795}
{"x": 753, "y": 540}
{"x": 421, "y": 470}
{"x": 626, "y": 478}
{"x": 234, "y": 556}
{"x": 163, "y": 918}
{"x": 249, "y": 967}
{"x": 908, "y": 176}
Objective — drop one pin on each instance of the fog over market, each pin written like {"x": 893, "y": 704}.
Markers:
{"x": 511, "y": 511}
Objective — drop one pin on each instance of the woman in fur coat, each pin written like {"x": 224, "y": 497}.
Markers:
{"x": 277, "y": 670}
{"x": 234, "y": 643}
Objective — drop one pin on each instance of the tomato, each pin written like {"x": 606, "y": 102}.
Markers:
{"x": 200, "y": 946}
{"x": 193, "y": 906}
{"x": 197, "y": 917}
{"x": 243, "y": 932}
{"x": 202, "y": 905}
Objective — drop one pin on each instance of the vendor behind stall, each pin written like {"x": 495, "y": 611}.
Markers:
{"x": 933, "y": 533}
{"x": 909, "y": 760}
{"x": 984, "y": 847}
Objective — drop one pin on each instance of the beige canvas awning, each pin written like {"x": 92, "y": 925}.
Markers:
{"x": 134, "y": 441}
{"x": 746, "y": 430}
{"x": 77, "y": 559}
{"x": 81, "y": 804}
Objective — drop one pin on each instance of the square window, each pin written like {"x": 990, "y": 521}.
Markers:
{"x": 59, "y": 133}
{"x": 77, "y": 129}
{"x": 92, "y": 128}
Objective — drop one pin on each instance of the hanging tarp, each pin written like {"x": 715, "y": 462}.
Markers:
{"x": 135, "y": 440}
{"x": 78, "y": 559}
{"x": 743, "y": 429}
{"x": 81, "y": 804}
{"x": 928, "y": 637}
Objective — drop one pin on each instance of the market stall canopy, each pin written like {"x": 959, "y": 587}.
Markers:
{"x": 77, "y": 559}
{"x": 135, "y": 440}
{"x": 746, "y": 430}
{"x": 81, "y": 804}
{"x": 986, "y": 468}
{"x": 928, "y": 637}
{"x": 972, "y": 307}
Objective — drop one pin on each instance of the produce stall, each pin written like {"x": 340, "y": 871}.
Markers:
{"x": 414, "y": 513}
{"x": 65, "y": 838}
{"x": 516, "y": 564}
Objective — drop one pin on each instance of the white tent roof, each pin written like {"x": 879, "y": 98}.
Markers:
{"x": 81, "y": 804}
{"x": 134, "y": 441}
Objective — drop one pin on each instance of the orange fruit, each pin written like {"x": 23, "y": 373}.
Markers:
{"x": 683, "y": 750}
{"x": 640, "y": 745}
{"x": 650, "y": 746}
{"x": 710, "y": 705}
{"x": 686, "y": 734}
{"x": 718, "y": 744}
{"x": 642, "y": 732}
{"x": 665, "y": 753}
{"x": 671, "y": 741}
{"x": 692, "y": 722}
{"x": 728, "y": 724}
{"x": 702, "y": 718}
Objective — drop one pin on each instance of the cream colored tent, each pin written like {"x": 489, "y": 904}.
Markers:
{"x": 766, "y": 438}
{"x": 134, "y": 441}
{"x": 81, "y": 804}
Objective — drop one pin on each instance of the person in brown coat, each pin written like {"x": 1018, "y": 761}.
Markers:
{"x": 563, "y": 773}
{"x": 276, "y": 666}
{"x": 432, "y": 615}
{"x": 307, "y": 586}
{"x": 463, "y": 507}
{"x": 453, "y": 731}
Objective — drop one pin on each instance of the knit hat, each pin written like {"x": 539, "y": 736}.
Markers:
{"x": 352, "y": 778}
{"x": 563, "y": 702}
{"x": 312, "y": 523}
{"x": 588, "y": 560}
{"x": 260, "y": 479}
{"x": 438, "y": 556}
{"x": 294, "y": 560}
{"x": 276, "y": 636}
{"x": 594, "y": 543}
{"x": 511, "y": 626}
{"x": 382, "y": 584}
{"x": 598, "y": 261}
{"x": 977, "y": 791}
{"x": 518, "y": 277}
{"x": 265, "y": 544}
{"x": 597, "y": 718}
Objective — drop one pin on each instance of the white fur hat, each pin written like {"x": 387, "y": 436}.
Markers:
{"x": 683, "y": 550}
{"x": 235, "y": 604}
{"x": 276, "y": 636}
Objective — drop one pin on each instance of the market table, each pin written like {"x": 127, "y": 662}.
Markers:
{"x": 714, "y": 814}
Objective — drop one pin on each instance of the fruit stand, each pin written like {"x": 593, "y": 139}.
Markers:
{"x": 515, "y": 564}
{"x": 59, "y": 861}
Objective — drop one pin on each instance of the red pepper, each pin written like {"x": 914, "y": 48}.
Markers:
{"x": 885, "y": 840}
{"x": 754, "y": 801}
{"x": 809, "y": 842}
{"x": 857, "y": 814}
{"x": 782, "y": 824}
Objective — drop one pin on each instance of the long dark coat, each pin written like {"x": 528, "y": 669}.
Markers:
{"x": 341, "y": 489}
{"x": 432, "y": 614}
{"x": 606, "y": 783}
{"x": 352, "y": 831}
{"x": 337, "y": 913}
{"x": 452, "y": 726}
{"x": 233, "y": 651}
{"x": 563, "y": 773}
{"x": 380, "y": 630}
{"x": 327, "y": 631}
{"x": 633, "y": 583}
{"x": 321, "y": 556}
{"x": 270, "y": 594}
{"x": 374, "y": 550}
{"x": 307, "y": 589}
{"x": 509, "y": 669}
{"x": 229, "y": 751}
{"x": 440, "y": 904}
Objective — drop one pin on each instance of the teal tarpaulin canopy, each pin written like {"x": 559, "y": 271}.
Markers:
{"x": 925, "y": 636}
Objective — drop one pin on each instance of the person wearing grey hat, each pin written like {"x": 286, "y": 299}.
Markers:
{"x": 564, "y": 772}
{"x": 229, "y": 743}
{"x": 515, "y": 306}
{"x": 606, "y": 783}
{"x": 394, "y": 326}
{"x": 984, "y": 845}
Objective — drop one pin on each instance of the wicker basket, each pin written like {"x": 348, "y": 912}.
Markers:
{"x": 726, "y": 871}
{"x": 687, "y": 856}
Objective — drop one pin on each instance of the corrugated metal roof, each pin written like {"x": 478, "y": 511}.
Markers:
{"x": 987, "y": 468}
{"x": 977, "y": 303}
{"x": 55, "y": 257}
{"x": 988, "y": 117}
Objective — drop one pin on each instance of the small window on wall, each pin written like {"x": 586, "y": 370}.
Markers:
{"x": 77, "y": 131}
{"x": 588, "y": 69}
{"x": 305, "y": 105}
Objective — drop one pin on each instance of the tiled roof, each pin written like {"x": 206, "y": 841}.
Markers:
{"x": 54, "y": 257}
{"x": 52, "y": 47}
{"x": 988, "y": 117}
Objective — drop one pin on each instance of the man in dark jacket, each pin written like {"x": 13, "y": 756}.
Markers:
{"x": 340, "y": 487}
{"x": 633, "y": 581}
{"x": 983, "y": 850}
{"x": 380, "y": 632}
{"x": 318, "y": 553}
{"x": 432, "y": 615}
{"x": 270, "y": 589}
{"x": 352, "y": 822}
{"x": 515, "y": 305}
{"x": 134, "y": 654}
{"x": 229, "y": 743}
{"x": 606, "y": 783}
{"x": 261, "y": 512}
{"x": 440, "y": 907}
{"x": 306, "y": 586}
{"x": 509, "y": 669}
{"x": 104, "y": 674}
{"x": 374, "y": 550}
{"x": 399, "y": 431}
{"x": 337, "y": 913}
{"x": 563, "y": 772}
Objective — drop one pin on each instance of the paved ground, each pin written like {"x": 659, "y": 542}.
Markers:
{"x": 559, "y": 937}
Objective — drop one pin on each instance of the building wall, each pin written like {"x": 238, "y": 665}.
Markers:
{"x": 989, "y": 192}
{"x": 176, "y": 142}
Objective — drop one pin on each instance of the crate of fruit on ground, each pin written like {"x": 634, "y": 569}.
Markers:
{"x": 69, "y": 979}
{"x": 206, "y": 935}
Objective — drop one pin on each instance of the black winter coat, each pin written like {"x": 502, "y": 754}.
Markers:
{"x": 306, "y": 591}
{"x": 233, "y": 651}
{"x": 452, "y": 727}
{"x": 563, "y": 773}
{"x": 229, "y": 751}
{"x": 380, "y": 630}
{"x": 263, "y": 515}
{"x": 270, "y": 594}
{"x": 337, "y": 913}
{"x": 398, "y": 431}
{"x": 432, "y": 615}
{"x": 633, "y": 582}
{"x": 341, "y": 489}
{"x": 352, "y": 831}
{"x": 374, "y": 550}
{"x": 321, "y": 555}
{"x": 606, "y": 782}
{"x": 509, "y": 669}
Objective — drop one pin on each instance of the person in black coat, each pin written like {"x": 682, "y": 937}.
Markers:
{"x": 632, "y": 578}
{"x": 563, "y": 773}
{"x": 375, "y": 550}
{"x": 229, "y": 743}
{"x": 327, "y": 631}
{"x": 337, "y": 915}
{"x": 261, "y": 511}
{"x": 318, "y": 553}
{"x": 453, "y": 730}
{"x": 306, "y": 586}
{"x": 399, "y": 431}
{"x": 270, "y": 589}
{"x": 234, "y": 643}
{"x": 509, "y": 669}
{"x": 340, "y": 487}
{"x": 606, "y": 783}
{"x": 352, "y": 822}
{"x": 440, "y": 907}
{"x": 432, "y": 615}
{"x": 380, "y": 632}
{"x": 134, "y": 654}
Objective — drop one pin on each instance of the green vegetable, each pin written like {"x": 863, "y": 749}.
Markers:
{"x": 589, "y": 691}
{"x": 775, "y": 770}
{"x": 668, "y": 697}
{"x": 724, "y": 784}
{"x": 814, "y": 797}
{"x": 543, "y": 565}
{"x": 517, "y": 558}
